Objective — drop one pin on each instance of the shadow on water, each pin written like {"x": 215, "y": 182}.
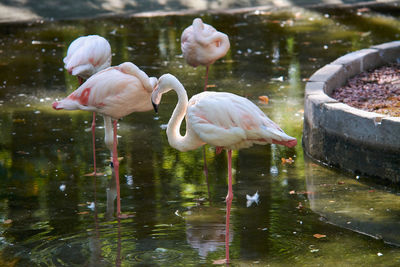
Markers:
{"x": 51, "y": 214}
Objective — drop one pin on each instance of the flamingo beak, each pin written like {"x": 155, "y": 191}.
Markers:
{"x": 55, "y": 104}
{"x": 155, "y": 106}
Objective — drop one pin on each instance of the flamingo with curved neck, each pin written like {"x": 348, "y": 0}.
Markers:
{"x": 224, "y": 120}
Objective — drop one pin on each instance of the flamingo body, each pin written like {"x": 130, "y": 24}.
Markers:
{"x": 114, "y": 92}
{"x": 232, "y": 122}
{"x": 202, "y": 44}
{"x": 87, "y": 55}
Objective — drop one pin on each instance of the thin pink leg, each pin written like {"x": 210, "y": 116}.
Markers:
{"x": 205, "y": 85}
{"x": 206, "y": 173}
{"x": 94, "y": 142}
{"x": 229, "y": 198}
{"x": 116, "y": 169}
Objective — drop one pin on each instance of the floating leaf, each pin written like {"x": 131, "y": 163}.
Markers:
{"x": 264, "y": 99}
{"x": 288, "y": 161}
{"x": 319, "y": 236}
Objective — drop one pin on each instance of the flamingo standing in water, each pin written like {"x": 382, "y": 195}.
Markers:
{"x": 86, "y": 56}
{"x": 223, "y": 120}
{"x": 202, "y": 44}
{"x": 114, "y": 93}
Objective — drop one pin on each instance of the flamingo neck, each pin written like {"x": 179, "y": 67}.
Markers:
{"x": 190, "y": 140}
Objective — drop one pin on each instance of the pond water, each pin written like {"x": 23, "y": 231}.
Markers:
{"x": 308, "y": 214}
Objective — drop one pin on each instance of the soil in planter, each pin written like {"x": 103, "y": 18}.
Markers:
{"x": 376, "y": 90}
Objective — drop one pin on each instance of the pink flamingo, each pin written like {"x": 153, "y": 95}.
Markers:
{"x": 202, "y": 44}
{"x": 223, "y": 120}
{"x": 114, "y": 93}
{"x": 86, "y": 56}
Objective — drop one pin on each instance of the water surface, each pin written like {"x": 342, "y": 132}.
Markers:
{"x": 53, "y": 215}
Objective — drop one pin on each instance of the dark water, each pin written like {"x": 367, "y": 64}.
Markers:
{"x": 53, "y": 215}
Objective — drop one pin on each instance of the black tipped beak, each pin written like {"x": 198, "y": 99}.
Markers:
{"x": 155, "y": 106}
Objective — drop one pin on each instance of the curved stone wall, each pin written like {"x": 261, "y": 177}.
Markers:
{"x": 362, "y": 142}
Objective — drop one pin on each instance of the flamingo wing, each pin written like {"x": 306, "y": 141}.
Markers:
{"x": 230, "y": 121}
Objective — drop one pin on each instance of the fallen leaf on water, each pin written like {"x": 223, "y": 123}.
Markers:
{"x": 319, "y": 236}
{"x": 289, "y": 160}
{"x": 19, "y": 120}
{"x": 264, "y": 99}
{"x": 8, "y": 221}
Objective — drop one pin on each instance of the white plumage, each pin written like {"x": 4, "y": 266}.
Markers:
{"x": 87, "y": 55}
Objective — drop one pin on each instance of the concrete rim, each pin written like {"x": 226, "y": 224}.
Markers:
{"x": 342, "y": 136}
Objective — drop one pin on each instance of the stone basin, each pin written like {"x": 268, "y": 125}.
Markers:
{"x": 361, "y": 142}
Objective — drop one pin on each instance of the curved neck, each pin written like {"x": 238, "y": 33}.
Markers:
{"x": 190, "y": 140}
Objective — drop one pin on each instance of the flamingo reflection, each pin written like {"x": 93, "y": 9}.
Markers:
{"x": 205, "y": 229}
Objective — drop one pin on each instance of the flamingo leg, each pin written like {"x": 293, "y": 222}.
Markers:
{"x": 229, "y": 198}
{"x": 94, "y": 142}
{"x": 116, "y": 168}
{"x": 205, "y": 85}
{"x": 206, "y": 172}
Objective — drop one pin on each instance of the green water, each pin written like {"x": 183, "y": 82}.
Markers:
{"x": 53, "y": 215}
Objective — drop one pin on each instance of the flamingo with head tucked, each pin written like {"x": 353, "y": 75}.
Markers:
{"x": 86, "y": 56}
{"x": 224, "y": 120}
{"x": 202, "y": 44}
{"x": 114, "y": 93}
